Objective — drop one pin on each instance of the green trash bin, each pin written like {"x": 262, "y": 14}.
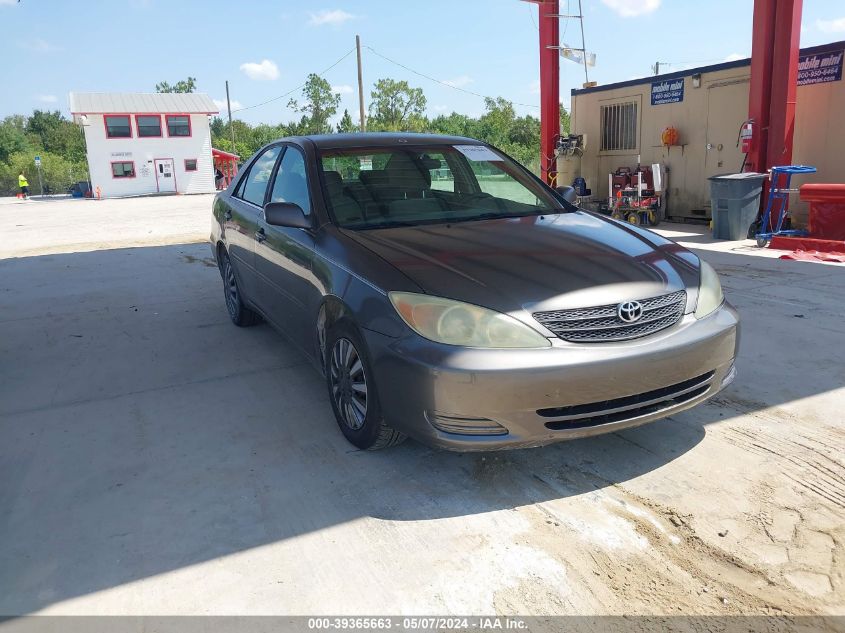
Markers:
{"x": 735, "y": 201}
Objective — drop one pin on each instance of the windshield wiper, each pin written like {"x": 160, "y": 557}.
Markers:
{"x": 499, "y": 216}
{"x": 387, "y": 224}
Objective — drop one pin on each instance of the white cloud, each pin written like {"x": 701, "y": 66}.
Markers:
{"x": 733, "y": 57}
{"x": 39, "y": 45}
{"x": 632, "y": 8}
{"x": 221, "y": 105}
{"x": 440, "y": 108}
{"x": 332, "y": 17}
{"x": 459, "y": 82}
{"x": 8, "y": 2}
{"x": 534, "y": 88}
{"x": 344, "y": 89}
{"x": 265, "y": 70}
{"x": 47, "y": 98}
{"x": 836, "y": 25}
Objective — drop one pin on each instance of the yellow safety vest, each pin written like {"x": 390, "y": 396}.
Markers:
{"x": 22, "y": 181}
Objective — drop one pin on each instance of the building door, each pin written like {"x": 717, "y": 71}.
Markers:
{"x": 727, "y": 108}
{"x": 165, "y": 175}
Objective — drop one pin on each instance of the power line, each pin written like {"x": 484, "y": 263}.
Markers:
{"x": 442, "y": 83}
{"x": 299, "y": 87}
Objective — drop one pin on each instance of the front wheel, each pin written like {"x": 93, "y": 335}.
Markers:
{"x": 634, "y": 218}
{"x": 762, "y": 242}
{"x": 353, "y": 393}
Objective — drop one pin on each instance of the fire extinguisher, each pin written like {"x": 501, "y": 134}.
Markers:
{"x": 746, "y": 136}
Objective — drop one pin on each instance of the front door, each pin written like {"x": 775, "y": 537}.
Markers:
{"x": 165, "y": 175}
{"x": 283, "y": 257}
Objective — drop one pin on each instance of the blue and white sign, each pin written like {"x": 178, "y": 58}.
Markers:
{"x": 820, "y": 69}
{"x": 38, "y": 161}
{"x": 669, "y": 91}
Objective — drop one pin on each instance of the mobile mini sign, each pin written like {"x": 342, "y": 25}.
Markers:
{"x": 820, "y": 69}
{"x": 669, "y": 91}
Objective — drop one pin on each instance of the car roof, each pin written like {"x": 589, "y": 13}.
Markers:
{"x": 387, "y": 139}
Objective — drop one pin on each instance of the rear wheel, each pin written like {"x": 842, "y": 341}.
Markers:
{"x": 634, "y": 218}
{"x": 353, "y": 393}
{"x": 238, "y": 312}
{"x": 653, "y": 217}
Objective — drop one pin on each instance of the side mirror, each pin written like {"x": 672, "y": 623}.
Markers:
{"x": 568, "y": 194}
{"x": 286, "y": 214}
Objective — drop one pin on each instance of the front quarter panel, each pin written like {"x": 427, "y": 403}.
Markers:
{"x": 360, "y": 280}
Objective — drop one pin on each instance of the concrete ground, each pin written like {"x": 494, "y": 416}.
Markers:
{"x": 155, "y": 459}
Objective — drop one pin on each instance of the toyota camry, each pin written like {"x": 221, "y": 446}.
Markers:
{"x": 449, "y": 295}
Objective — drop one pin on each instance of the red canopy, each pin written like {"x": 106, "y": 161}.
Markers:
{"x": 227, "y": 164}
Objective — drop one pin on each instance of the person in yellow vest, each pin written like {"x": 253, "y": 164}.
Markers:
{"x": 23, "y": 183}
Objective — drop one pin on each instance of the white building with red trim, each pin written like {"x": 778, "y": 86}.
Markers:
{"x": 140, "y": 143}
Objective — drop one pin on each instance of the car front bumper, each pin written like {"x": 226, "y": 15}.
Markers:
{"x": 536, "y": 397}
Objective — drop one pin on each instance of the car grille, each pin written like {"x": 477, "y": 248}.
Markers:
{"x": 620, "y": 409}
{"x": 602, "y": 323}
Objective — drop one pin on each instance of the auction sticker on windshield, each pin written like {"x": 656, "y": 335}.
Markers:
{"x": 478, "y": 152}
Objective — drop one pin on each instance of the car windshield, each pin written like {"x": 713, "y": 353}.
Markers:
{"x": 377, "y": 187}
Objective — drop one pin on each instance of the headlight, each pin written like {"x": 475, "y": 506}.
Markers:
{"x": 710, "y": 294}
{"x": 457, "y": 323}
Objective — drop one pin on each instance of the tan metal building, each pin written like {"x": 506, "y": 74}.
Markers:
{"x": 623, "y": 123}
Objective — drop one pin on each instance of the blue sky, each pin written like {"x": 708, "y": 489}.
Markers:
{"x": 266, "y": 48}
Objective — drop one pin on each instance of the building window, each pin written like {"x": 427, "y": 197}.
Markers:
{"x": 118, "y": 126}
{"x": 123, "y": 169}
{"x": 190, "y": 164}
{"x": 619, "y": 126}
{"x": 178, "y": 125}
{"x": 148, "y": 125}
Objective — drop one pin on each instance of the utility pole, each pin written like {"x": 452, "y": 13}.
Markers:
{"x": 360, "y": 85}
{"x": 656, "y": 68}
{"x": 229, "y": 107}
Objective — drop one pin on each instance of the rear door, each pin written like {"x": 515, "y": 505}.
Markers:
{"x": 283, "y": 256}
{"x": 241, "y": 219}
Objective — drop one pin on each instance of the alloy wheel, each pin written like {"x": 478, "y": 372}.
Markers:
{"x": 348, "y": 383}
{"x": 231, "y": 289}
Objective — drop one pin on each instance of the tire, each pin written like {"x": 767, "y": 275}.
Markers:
{"x": 617, "y": 215}
{"x": 357, "y": 413}
{"x": 634, "y": 218}
{"x": 762, "y": 242}
{"x": 653, "y": 217}
{"x": 753, "y": 230}
{"x": 238, "y": 312}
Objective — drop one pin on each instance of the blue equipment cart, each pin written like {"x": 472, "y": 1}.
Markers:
{"x": 776, "y": 204}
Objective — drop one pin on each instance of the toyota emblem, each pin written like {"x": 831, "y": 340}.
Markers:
{"x": 630, "y": 311}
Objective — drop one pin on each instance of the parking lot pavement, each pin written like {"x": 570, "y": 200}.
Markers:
{"x": 155, "y": 459}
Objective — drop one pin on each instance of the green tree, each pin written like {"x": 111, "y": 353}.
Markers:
{"x": 185, "y": 85}
{"x": 565, "y": 121}
{"x": 319, "y": 105}
{"x": 346, "y": 124}
{"x": 395, "y": 106}
{"x": 13, "y": 138}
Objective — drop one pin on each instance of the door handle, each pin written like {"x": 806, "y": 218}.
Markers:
{"x": 260, "y": 235}
{"x": 227, "y": 216}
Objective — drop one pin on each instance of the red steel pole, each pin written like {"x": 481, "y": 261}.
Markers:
{"x": 549, "y": 87}
{"x": 784, "y": 82}
{"x": 760, "y": 90}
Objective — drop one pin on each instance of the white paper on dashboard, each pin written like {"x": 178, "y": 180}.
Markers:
{"x": 478, "y": 152}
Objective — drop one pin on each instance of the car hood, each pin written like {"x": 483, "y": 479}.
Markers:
{"x": 536, "y": 263}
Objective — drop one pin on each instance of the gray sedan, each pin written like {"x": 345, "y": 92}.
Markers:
{"x": 448, "y": 295}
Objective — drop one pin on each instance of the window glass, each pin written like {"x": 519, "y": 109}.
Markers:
{"x": 117, "y": 126}
{"x": 190, "y": 164}
{"x": 148, "y": 125}
{"x": 178, "y": 125}
{"x": 291, "y": 184}
{"x": 123, "y": 169}
{"x": 255, "y": 183}
{"x": 373, "y": 187}
{"x": 496, "y": 182}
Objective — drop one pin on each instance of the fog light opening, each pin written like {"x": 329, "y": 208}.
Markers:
{"x": 729, "y": 377}
{"x": 462, "y": 425}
